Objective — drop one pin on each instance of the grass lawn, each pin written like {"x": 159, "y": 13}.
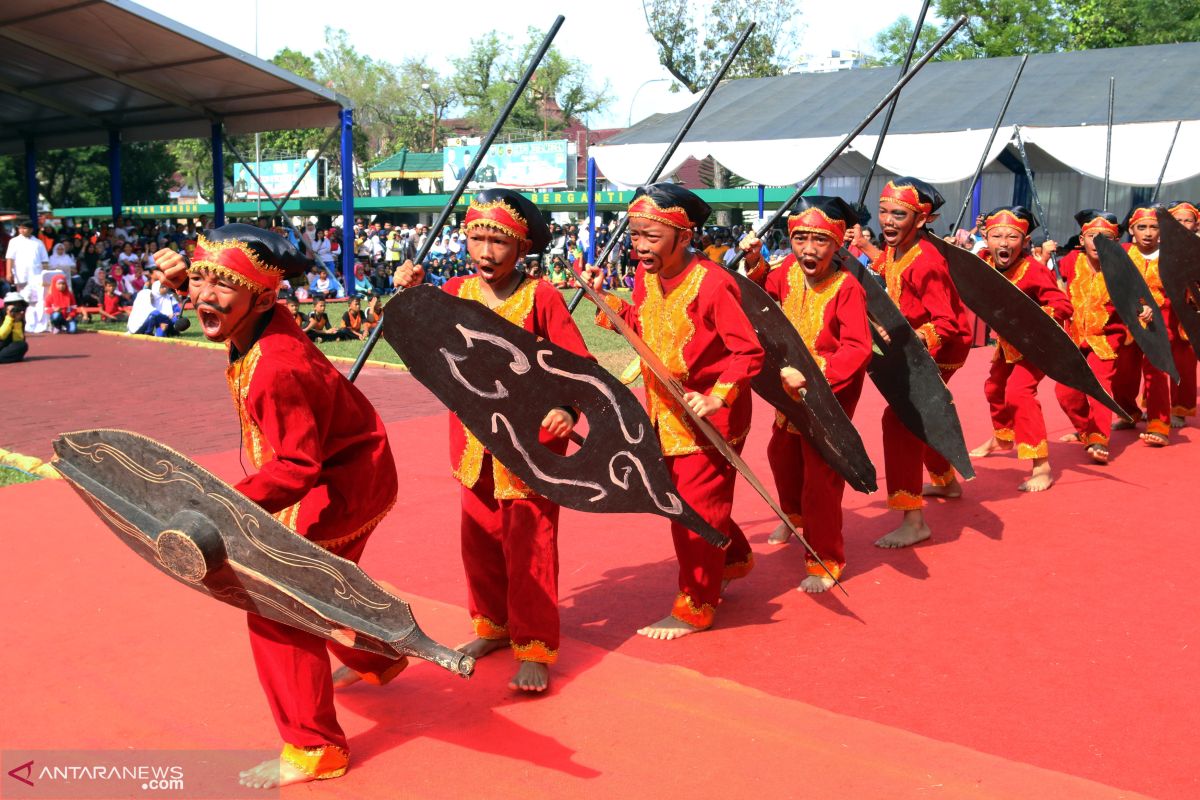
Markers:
{"x": 10, "y": 476}
{"x": 610, "y": 349}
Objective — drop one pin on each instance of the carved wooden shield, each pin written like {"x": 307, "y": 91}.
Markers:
{"x": 1014, "y": 315}
{"x": 1129, "y": 292}
{"x": 1179, "y": 268}
{"x": 199, "y": 530}
{"x": 501, "y": 381}
{"x": 819, "y": 416}
{"x": 909, "y": 380}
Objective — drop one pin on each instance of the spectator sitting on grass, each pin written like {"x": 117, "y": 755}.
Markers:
{"x": 362, "y": 284}
{"x": 61, "y": 308}
{"x": 318, "y": 328}
{"x": 294, "y": 309}
{"x": 353, "y": 322}
{"x": 155, "y": 311}
{"x": 374, "y": 312}
{"x": 110, "y": 304}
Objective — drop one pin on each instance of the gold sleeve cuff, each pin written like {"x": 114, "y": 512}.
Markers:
{"x": 929, "y": 333}
{"x": 726, "y": 392}
{"x": 613, "y": 302}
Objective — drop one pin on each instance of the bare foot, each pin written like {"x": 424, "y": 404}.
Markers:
{"x": 1177, "y": 421}
{"x": 908, "y": 534}
{"x": 951, "y": 490}
{"x": 531, "y": 677}
{"x": 1154, "y": 439}
{"x": 992, "y": 445}
{"x": 668, "y": 628}
{"x": 816, "y": 583}
{"x": 1071, "y": 438}
{"x": 1099, "y": 453}
{"x": 344, "y": 676}
{"x": 1040, "y": 479}
{"x": 780, "y": 535}
{"x": 479, "y": 648}
{"x": 272, "y": 773}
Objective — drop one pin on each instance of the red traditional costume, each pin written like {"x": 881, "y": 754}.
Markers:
{"x": 509, "y": 532}
{"x": 694, "y": 323}
{"x": 1155, "y": 384}
{"x": 1183, "y": 394}
{"x": 1012, "y": 383}
{"x": 325, "y": 470}
{"x": 831, "y": 318}
{"x": 1098, "y": 331}
{"x": 919, "y": 284}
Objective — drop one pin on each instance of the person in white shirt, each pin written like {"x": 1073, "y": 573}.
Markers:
{"x": 156, "y": 311}
{"x": 26, "y": 259}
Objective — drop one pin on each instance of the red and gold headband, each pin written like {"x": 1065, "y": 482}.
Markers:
{"x": 1006, "y": 219}
{"x": 815, "y": 220}
{"x": 644, "y": 207}
{"x": 1143, "y": 213}
{"x": 497, "y": 215}
{"x": 1100, "y": 225}
{"x": 1184, "y": 206}
{"x": 237, "y": 262}
{"x": 906, "y": 196}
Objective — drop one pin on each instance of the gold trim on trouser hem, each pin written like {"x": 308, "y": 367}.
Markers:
{"x": 1028, "y": 451}
{"x": 320, "y": 763}
{"x": 535, "y": 650}
{"x": 942, "y": 479}
{"x": 905, "y": 501}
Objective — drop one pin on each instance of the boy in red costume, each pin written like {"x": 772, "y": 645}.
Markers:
{"x": 688, "y": 311}
{"x": 1011, "y": 387}
{"x": 1142, "y": 224}
{"x": 1098, "y": 331}
{"x": 918, "y": 281}
{"x": 1183, "y": 394}
{"x": 323, "y": 468}
{"x": 509, "y": 533}
{"x": 829, "y": 310}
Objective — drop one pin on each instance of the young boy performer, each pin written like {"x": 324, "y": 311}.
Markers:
{"x": 1011, "y": 387}
{"x": 829, "y": 310}
{"x": 1142, "y": 224}
{"x": 1183, "y": 394}
{"x": 918, "y": 281}
{"x": 1097, "y": 330}
{"x": 688, "y": 311}
{"x": 509, "y": 533}
{"x": 324, "y": 469}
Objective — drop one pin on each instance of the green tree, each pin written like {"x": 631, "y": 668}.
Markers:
{"x": 79, "y": 176}
{"x": 892, "y": 43}
{"x": 1120, "y": 23}
{"x": 1008, "y": 27}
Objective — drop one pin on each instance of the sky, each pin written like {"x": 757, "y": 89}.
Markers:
{"x": 608, "y": 36}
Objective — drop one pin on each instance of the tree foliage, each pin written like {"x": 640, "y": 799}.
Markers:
{"x": 79, "y": 176}
{"x": 692, "y": 42}
{"x": 1121, "y": 23}
{"x": 559, "y": 91}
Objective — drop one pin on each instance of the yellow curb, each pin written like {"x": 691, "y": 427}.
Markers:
{"x": 215, "y": 346}
{"x": 34, "y": 466}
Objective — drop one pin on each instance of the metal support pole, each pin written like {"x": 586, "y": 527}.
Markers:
{"x": 31, "y": 184}
{"x": 1112, "y": 93}
{"x": 762, "y": 196}
{"x": 218, "y": 159}
{"x": 976, "y": 202}
{"x": 346, "y": 116}
{"x": 591, "y": 193}
{"x": 114, "y": 173}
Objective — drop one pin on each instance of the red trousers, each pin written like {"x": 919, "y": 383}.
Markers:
{"x": 1135, "y": 372}
{"x": 294, "y": 670}
{"x": 1011, "y": 391}
{"x": 1091, "y": 418}
{"x": 1183, "y": 394}
{"x": 510, "y": 554}
{"x": 810, "y": 491}
{"x": 705, "y": 481}
{"x": 903, "y": 456}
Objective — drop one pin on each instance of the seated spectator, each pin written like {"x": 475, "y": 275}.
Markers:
{"x": 13, "y": 346}
{"x": 110, "y": 304}
{"x": 93, "y": 289}
{"x": 362, "y": 286}
{"x": 318, "y": 328}
{"x": 374, "y": 311}
{"x": 127, "y": 257}
{"x": 124, "y": 285}
{"x": 61, "y": 308}
{"x": 294, "y": 309}
{"x": 353, "y": 322}
{"x": 155, "y": 311}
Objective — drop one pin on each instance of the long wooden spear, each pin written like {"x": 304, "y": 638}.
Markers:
{"x": 1112, "y": 94}
{"x": 1162, "y": 173}
{"x": 656, "y": 173}
{"x": 987, "y": 148}
{"x": 518, "y": 90}
{"x": 1037, "y": 201}
{"x": 887, "y": 118}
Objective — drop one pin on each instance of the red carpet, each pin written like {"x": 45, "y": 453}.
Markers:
{"x": 1040, "y": 646}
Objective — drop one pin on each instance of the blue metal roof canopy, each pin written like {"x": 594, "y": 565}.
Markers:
{"x": 86, "y": 72}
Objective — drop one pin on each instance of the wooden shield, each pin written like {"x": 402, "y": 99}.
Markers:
{"x": 1129, "y": 293}
{"x": 501, "y": 381}
{"x": 819, "y": 416}
{"x": 1013, "y": 315}
{"x": 1179, "y": 269}
{"x": 204, "y": 533}
{"x": 907, "y": 377}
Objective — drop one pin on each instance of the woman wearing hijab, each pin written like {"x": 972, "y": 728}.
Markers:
{"x": 60, "y": 307}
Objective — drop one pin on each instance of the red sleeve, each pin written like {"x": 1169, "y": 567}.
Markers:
{"x": 933, "y": 286}
{"x": 774, "y": 281}
{"x": 736, "y": 333}
{"x": 853, "y": 335}
{"x": 1044, "y": 290}
{"x": 625, "y": 311}
{"x": 284, "y": 407}
{"x": 552, "y": 321}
